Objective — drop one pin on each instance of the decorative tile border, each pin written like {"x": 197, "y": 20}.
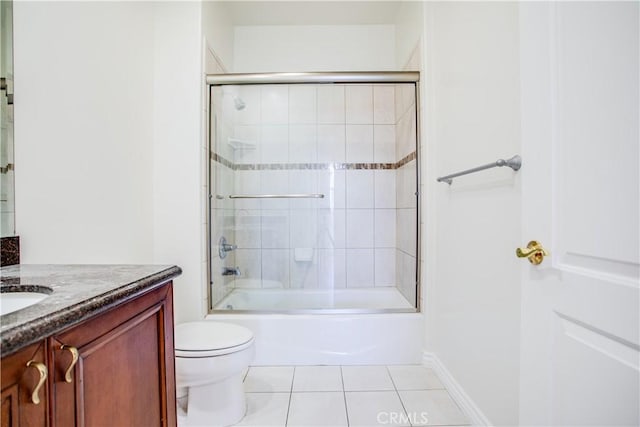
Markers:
{"x": 312, "y": 166}
{"x": 406, "y": 159}
{"x": 218, "y": 158}
{"x": 9, "y": 250}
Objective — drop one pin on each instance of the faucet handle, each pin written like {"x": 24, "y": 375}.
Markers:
{"x": 228, "y": 248}
{"x": 224, "y": 247}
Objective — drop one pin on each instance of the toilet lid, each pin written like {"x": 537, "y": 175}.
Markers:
{"x": 210, "y": 336}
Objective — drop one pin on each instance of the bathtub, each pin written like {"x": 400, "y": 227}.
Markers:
{"x": 373, "y": 326}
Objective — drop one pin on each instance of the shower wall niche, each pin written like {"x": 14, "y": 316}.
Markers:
{"x": 347, "y": 155}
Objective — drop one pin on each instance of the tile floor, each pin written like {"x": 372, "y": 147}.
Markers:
{"x": 333, "y": 396}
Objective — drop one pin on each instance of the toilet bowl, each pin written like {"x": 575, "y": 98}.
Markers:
{"x": 210, "y": 360}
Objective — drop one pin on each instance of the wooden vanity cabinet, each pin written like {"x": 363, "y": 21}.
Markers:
{"x": 19, "y": 381}
{"x": 124, "y": 373}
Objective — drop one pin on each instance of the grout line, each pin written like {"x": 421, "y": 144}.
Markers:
{"x": 395, "y": 387}
{"x": 268, "y": 392}
{"x": 288, "y": 202}
{"x": 398, "y": 394}
{"x": 344, "y": 396}
{"x": 293, "y": 378}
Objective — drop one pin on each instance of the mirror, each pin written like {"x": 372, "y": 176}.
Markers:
{"x": 7, "y": 188}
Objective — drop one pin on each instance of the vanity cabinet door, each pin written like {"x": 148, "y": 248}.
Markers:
{"x": 124, "y": 374}
{"x": 24, "y": 373}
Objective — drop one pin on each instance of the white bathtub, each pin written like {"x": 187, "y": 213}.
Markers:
{"x": 300, "y": 338}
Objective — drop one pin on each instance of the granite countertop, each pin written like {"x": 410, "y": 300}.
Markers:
{"x": 78, "y": 292}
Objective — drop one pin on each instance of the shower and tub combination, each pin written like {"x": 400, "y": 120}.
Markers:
{"x": 314, "y": 215}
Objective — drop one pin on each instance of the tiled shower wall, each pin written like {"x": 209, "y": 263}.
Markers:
{"x": 355, "y": 144}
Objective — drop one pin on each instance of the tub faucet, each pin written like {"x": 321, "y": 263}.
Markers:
{"x": 230, "y": 271}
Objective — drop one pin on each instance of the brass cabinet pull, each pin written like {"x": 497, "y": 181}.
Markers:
{"x": 42, "y": 369}
{"x": 74, "y": 360}
{"x": 534, "y": 252}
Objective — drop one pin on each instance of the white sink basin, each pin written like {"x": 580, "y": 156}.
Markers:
{"x": 14, "y": 301}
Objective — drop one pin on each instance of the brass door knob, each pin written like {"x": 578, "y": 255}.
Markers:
{"x": 534, "y": 252}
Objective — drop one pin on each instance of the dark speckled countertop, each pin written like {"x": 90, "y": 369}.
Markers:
{"x": 78, "y": 292}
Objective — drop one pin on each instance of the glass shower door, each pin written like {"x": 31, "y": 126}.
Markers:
{"x": 316, "y": 186}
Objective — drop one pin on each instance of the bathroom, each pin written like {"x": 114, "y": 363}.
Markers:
{"x": 112, "y": 114}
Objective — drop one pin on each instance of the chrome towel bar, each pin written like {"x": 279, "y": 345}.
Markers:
{"x": 514, "y": 163}
{"x": 276, "y": 196}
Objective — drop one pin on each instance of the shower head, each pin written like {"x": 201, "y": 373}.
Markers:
{"x": 239, "y": 103}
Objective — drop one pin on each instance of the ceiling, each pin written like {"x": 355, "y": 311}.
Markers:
{"x": 328, "y": 12}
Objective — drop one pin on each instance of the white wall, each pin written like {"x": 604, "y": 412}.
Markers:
{"x": 473, "y": 303}
{"x": 218, "y": 30}
{"x": 178, "y": 209}
{"x": 314, "y": 48}
{"x": 84, "y": 141}
{"x": 109, "y": 137}
{"x": 409, "y": 28}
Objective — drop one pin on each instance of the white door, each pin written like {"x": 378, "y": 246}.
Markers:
{"x": 580, "y": 322}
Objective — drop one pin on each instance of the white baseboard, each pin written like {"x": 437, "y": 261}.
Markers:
{"x": 467, "y": 405}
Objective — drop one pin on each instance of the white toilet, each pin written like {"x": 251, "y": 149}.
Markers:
{"x": 210, "y": 360}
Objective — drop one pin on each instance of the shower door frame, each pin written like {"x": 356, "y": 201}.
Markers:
{"x": 347, "y": 77}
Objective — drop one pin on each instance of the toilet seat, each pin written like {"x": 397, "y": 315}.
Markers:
{"x": 209, "y": 339}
